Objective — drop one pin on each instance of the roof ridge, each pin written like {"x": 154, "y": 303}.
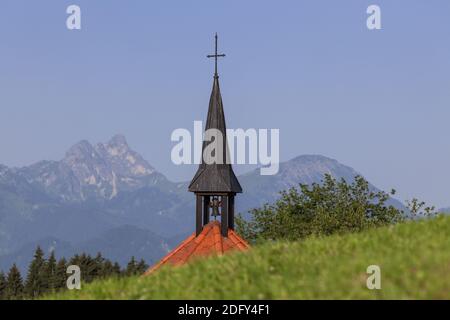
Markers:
{"x": 218, "y": 240}
{"x": 197, "y": 243}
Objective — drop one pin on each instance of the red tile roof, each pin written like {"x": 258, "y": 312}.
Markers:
{"x": 209, "y": 242}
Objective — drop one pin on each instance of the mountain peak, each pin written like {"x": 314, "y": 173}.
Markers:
{"x": 123, "y": 159}
{"x": 311, "y": 168}
{"x": 118, "y": 140}
{"x": 100, "y": 171}
{"x": 80, "y": 150}
{"x": 312, "y": 158}
{"x": 116, "y": 146}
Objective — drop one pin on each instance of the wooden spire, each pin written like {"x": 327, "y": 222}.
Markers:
{"x": 216, "y": 177}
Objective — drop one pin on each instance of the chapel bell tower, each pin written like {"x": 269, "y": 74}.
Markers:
{"x": 215, "y": 185}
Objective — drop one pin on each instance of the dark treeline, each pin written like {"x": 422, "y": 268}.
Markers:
{"x": 49, "y": 275}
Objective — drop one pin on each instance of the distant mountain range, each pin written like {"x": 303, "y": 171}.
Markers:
{"x": 108, "y": 198}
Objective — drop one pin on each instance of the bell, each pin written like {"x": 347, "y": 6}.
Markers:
{"x": 215, "y": 204}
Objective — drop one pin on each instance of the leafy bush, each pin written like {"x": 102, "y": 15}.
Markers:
{"x": 320, "y": 209}
{"x": 419, "y": 209}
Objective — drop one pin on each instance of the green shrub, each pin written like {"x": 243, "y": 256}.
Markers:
{"x": 320, "y": 209}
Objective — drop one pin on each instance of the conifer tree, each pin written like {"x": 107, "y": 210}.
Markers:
{"x": 50, "y": 272}
{"x": 2, "y": 286}
{"x": 141, "y": 267}
{"x": 60, "y": 274}
{"x": 98, "y": 269}
{"x": 107, "y": 269}
{"x": 131, "y": 267}
{"x": 36, "y": 282}
{"x": 14, "y": 284}
{"x": 117, "y": 271}
{"x": 75, "y": 260}
{"x": 87, "y": 267}
{"x": 50, "y": 275}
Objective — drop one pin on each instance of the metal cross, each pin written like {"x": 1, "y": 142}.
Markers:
{"x": 215, "y": 56}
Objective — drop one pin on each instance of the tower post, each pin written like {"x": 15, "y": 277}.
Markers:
{"x": 224, "y": 216}
{"x": 206, "y": 200}
{"x": 198, "y": 215}
{"x": 231, "y": 212}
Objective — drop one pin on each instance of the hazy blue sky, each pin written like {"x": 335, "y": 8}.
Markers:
{"x": 378, "y": 101}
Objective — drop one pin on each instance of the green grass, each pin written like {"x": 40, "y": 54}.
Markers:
{"x": 414, "y": 258}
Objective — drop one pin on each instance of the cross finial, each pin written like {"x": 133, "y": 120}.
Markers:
{"x": 215, "y": 56}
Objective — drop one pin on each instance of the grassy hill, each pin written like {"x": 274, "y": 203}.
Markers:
{"x": 414, "y": 258}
